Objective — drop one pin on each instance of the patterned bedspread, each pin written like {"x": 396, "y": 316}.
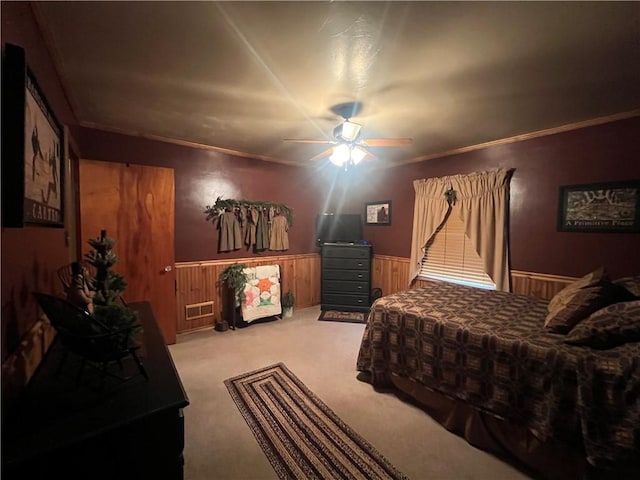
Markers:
{"x": 490, "y": 349}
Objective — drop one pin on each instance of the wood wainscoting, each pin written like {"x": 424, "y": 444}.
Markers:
{"x": 391, "y": 273}
{"x": 197, "y": 284}
{"x": 539, "y": 285}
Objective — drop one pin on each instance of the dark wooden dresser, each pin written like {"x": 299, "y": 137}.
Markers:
{"x": 346, "y": 277}
{"x": 131, "y": 429}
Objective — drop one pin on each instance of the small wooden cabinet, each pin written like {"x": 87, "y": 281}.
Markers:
{"x": 346, "y": 277}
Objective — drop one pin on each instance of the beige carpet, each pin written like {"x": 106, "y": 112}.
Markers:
{"x": 323, "y": 355}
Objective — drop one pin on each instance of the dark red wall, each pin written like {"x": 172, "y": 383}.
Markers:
{"x": 603, "y": 153}
{"x": 608, "y": 152}
{"x": 30, "y": 255}
{"x": 203, "y": 175}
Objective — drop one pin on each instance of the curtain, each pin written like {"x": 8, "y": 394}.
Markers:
{"x": 430, "y": 210}
{"x": 483, "y": 198}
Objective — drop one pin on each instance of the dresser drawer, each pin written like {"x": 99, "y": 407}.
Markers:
{"x": 345, "y": 264}
{"x": 346, "y": 252}
{"x": 346, "y": 300}
{"x": 346, "y": 277}
{"x": 345, "y": 286}
{"x": 356, "y": 275}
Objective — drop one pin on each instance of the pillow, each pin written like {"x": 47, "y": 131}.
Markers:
{"x": 591, "y": 279}
{"x": 577, "y": 306}
{"x": 608, "y": 327}
{"x": 581, "y": 298}
{"x": 632, "y": 284}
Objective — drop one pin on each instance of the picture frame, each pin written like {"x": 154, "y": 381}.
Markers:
{"x": 378, "y": 213}
{"x": 32, "y": 149}
{"x": 600, "y": 207}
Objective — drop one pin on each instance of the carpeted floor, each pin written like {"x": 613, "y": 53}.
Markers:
{"x": 300, "y": 435}
{"x": 218, "y": 444}
{"x": 336, "y": 316}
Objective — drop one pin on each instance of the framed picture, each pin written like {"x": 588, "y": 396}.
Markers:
{"x": 378, "y": 213}
{"x": 32, "y": 149}
{"x": 600, "y": 207}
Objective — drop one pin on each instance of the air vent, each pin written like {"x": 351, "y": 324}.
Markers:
{"x": 199, "y": 310}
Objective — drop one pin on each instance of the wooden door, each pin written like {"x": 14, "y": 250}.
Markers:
{"x": 135, "y": 205}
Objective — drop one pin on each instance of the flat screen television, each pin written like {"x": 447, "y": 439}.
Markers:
{"x": 338, "y": 228}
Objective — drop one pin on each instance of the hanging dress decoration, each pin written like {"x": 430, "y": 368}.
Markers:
{"x": 230, "y": 236}
{"x": 262, "y": 232}
{"x": 279, "y": 233}
{"x": 250, "y": 223}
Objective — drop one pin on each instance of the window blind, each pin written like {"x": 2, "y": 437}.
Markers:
{"x": 450, "y": 256}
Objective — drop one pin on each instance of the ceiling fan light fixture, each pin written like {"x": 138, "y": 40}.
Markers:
{"x": 340, "y": 155}
{"x": 349, "y": 131}
{"x": 357, "y": 154}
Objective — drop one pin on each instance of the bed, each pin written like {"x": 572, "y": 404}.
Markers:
{"x": 483, "y": 354}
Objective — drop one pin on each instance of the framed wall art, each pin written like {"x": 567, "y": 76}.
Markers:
{"x": 32, "y": 149}
{"x": 600, "y": 207}
{"x": 378, "y": 213}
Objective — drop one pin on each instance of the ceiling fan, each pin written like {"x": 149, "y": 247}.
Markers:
{"x": 347, "y": 148}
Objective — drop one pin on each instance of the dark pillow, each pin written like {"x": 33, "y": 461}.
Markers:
{"x": 608, "y": 327}
{"x": 577, "y": 306}
{"x": 581, "y": 298}
{"x": 632, "y": 284}
{"x": 591, "y": 279}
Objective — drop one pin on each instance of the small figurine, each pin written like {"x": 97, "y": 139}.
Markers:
{"x": 79, "y": 292}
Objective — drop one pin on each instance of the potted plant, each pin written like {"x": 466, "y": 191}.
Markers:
{"x": 108, "y": 305}
{"x": 288, "y": 300}
{"x": 108, "y": 285}
{"x": 233, "y": 279}
{"x": 120, "y": 318}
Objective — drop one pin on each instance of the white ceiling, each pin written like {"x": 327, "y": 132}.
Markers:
{"x": 243, "y": 76}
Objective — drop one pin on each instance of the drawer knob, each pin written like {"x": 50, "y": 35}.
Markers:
{"x": 360, "y": 275}
{"x": 359, "y": 264}
{"x": 359, "y": 287}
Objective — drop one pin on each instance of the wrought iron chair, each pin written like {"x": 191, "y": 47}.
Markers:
{"x": 65, "y": 273}
{"x": 83, "y": 334}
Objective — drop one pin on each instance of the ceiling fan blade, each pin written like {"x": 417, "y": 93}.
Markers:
{"x": 294, "y": 140}
{"x": 322, "y": 154}
{"x": 386, "y": 142}
{"x": 370, "y": 156}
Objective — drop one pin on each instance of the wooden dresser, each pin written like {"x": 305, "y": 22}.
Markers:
{"x": 346, "y": 277}
{"x": 131, "y": 429}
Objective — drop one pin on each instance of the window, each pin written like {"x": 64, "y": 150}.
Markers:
{"x": 450, "y": 255}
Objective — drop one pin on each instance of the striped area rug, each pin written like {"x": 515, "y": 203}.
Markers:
{"x": 299, "y": 434}
{"x": 336, "y": 316}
